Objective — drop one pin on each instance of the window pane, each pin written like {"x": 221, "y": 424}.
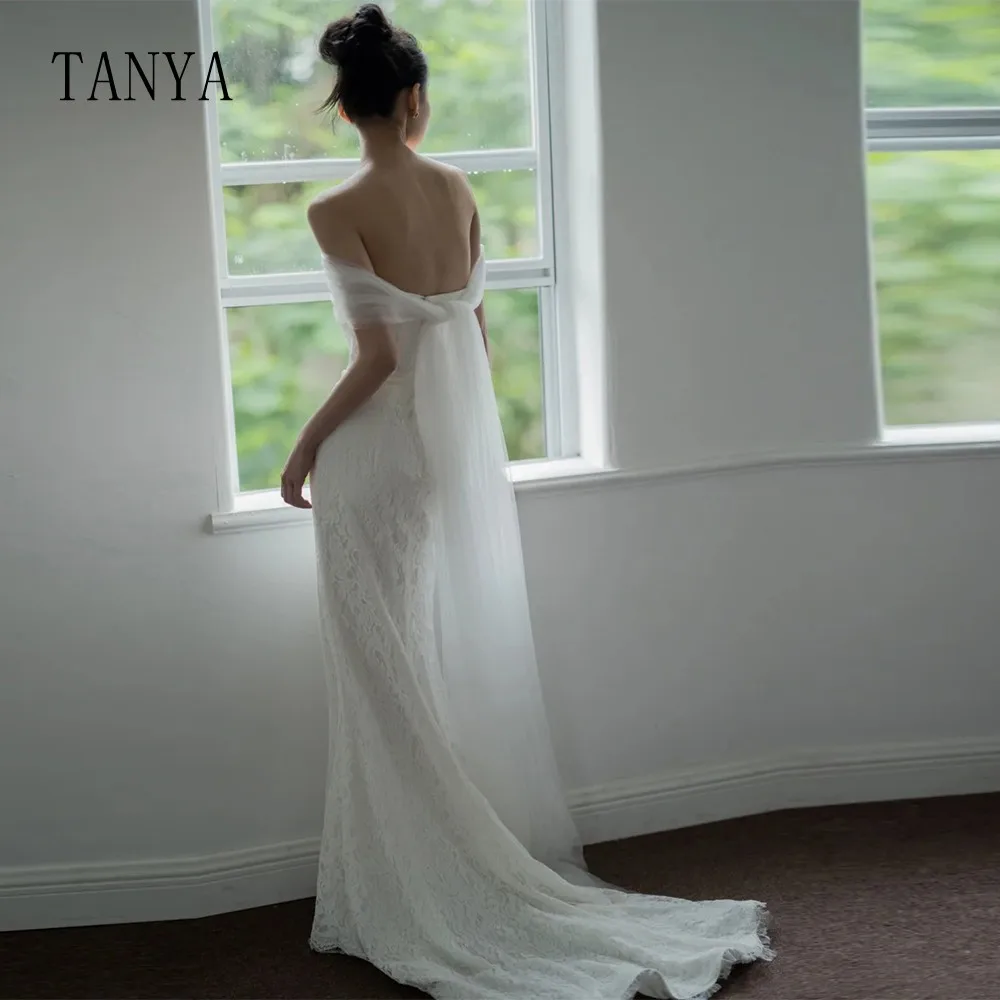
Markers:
{"x": 924, "y": 53}
{"x": 936, "y": 226}
{"x": 512, "y": 317}
{"x": 285, "y": 359}
{"x": 508, "y": 212}
{"x": 266, "y": 229}
{"x": 479, "y": 87}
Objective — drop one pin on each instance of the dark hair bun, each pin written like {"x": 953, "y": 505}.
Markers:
{"x": 353, "y": 39}
{"x": 374, "y": 62}
{"x": 371, "y": 25}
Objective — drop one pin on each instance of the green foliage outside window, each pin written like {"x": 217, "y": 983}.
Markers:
{"x": 935, "y": 215}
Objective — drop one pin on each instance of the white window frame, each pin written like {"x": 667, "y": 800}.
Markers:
{"x": 917, "y": 130}
{"x": 559, "y": 383}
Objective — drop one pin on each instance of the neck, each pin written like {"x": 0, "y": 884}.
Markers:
{"x": 384, "y": 144}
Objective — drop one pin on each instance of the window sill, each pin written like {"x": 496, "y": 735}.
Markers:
{"x": 265, "y": 508}
{"x": 939, "y": 435}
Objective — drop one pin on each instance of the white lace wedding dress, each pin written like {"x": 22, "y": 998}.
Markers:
{"x": 449, "y": 858}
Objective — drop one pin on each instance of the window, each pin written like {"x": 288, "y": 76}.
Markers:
{"x": 489, "y": 89}
{"x": 932, "y": 72}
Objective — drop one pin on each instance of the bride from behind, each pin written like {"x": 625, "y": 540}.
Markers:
{"x": 448, "y": 858}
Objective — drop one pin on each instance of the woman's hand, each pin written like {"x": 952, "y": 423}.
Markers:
{"x": 300, "y": 463}
{"x": 375, "y": 362}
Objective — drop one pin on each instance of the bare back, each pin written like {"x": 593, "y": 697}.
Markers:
{"x": 413, "y": 223}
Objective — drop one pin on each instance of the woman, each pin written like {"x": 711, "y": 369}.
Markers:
{"x": 449, "y": 858}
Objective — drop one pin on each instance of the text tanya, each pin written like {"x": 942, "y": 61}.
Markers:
{"x": 105, "y": 88}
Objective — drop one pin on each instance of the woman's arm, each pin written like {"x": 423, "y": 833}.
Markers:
{"x": 375, "y": 362}
{"x": 357, "y": 385}
{"x": 475, "y": 246}
{"x": 329, "y": 218}
{"x": 481, "y": 316}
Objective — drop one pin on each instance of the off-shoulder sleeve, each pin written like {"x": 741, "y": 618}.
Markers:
{"x": 360, "y": 298}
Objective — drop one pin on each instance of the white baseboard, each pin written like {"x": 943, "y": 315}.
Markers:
{"x": 170, "y": 889}
{"x": 107, "y": 893}
{"x": 793, "y": 781}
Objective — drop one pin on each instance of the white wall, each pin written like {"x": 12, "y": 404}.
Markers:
{"x": 162, "y": 693}
{"x": 735, "y": 228}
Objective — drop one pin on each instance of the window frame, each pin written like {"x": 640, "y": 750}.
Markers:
{"x": 557, "y": 358}
{"x": 914, "y": 130}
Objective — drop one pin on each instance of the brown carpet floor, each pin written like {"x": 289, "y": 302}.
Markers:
{"x": 892, "y": 900}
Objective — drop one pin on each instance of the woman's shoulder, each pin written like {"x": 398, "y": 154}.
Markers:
{"x": 332, "y": 219}
{"x": 453, "y": 176}
{"x": 336, "y": 200}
